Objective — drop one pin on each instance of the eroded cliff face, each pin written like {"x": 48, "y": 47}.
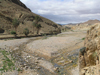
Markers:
{"x": 89, "y": 58}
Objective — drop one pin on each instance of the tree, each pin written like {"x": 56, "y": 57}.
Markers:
{"x": 38, "y": 26}
{"x": 13, "y": 33}
{"x": 26, "y": 31}
{"x": 35, "y": 24}
{"x": 37, "y": 18}
{"x": 15, "y": 24}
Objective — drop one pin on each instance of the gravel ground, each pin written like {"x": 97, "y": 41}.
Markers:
{"x": 12, "y": 43}
{"x": 52, "y": 44}
{"x": 75, "y": 71}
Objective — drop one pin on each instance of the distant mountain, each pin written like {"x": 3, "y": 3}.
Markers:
{"x": 91, "y": 22}
{"x": 80, "y": 26}
{"x": 72, "y": 23}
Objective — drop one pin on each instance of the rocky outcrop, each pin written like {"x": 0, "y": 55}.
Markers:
{"x": 89, "y": 58}
{"x": 14, "y": 9}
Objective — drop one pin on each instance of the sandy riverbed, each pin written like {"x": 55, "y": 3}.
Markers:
{"x": 60, "y": 44}
{"x": 51, "y": 45}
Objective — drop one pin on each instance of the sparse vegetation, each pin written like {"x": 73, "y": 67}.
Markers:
{"x": 15, "y": 24}
{"x": 8, "y": 65}
{"x": 35, "y": 24}
{"x": 38, "y": 26}
{"x": 83, "y": 38}
{"x": 26, "y": 31}
{"x": 13, "y": 33}
{"x": 37, "y": 18}
{"x": 19, "y": 69}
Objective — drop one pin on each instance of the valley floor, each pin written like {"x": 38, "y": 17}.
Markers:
{"x": 48, "y": 55}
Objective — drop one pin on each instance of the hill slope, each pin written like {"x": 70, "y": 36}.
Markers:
{"x": 14, "y": 9}
{"x": 90, "y": 22}
{"x": 81, "y": 26}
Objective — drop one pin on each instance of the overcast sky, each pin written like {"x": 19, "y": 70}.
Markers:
{"x": 65, "y": 11}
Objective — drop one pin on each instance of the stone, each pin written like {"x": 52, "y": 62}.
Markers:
{"x": 16, "y": 48}
{"x": 56, "y": 68}
{"x": 71, "y": 61}
{"x": 37, "y": 67}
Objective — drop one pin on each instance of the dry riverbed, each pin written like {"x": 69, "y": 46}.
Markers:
{"x": 53, "y": 55}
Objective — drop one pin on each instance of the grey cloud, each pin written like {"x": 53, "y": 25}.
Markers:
{"x": 67, "y": 19}
{"x": 66, "y": 11}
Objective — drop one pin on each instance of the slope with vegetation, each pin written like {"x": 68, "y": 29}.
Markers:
{"x": 15, "y": 16}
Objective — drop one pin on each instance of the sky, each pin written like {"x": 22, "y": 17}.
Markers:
{"x": 65, "y": 11}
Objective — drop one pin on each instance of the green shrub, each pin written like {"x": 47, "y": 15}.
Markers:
{"x": 37, "y": 18}
{"x": 19, "y": 69}
{"x": 7, "y": 63}
{"x": 15, "y": 23}
{"x": 13, "y": 32}
{"x": 26, "y": 31}
{"x": 83, "y": 38}
{"x": 36, "y": 25}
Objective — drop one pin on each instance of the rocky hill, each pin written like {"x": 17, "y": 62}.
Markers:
{"x": 82, "y": 26}
{"x": 11, "y": 10}
{"x": 89, "y": 57}
{"x": 91, "y": 22}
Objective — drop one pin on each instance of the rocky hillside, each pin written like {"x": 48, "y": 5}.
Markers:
{"x": 82, "y": 26}
{"x": 91, "y": 22}
{"x": 11, "y": 10}
{"x": 89, "y": 58}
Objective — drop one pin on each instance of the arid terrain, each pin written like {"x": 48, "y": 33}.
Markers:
{"x": 34, "y": 45}
{"x": 47, "y": 55}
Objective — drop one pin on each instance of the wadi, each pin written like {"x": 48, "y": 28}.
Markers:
{"x": 33, "y": 45}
